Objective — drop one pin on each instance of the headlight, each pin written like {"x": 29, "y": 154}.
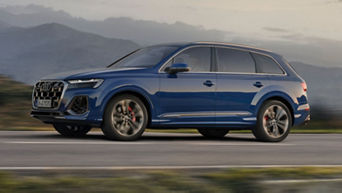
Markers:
{"x": 90, "y": 83}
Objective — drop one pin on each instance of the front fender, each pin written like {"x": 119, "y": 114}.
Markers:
{"x": 108, "y": 92}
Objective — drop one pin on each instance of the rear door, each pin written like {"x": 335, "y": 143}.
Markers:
{"x": 188, "y": 98}
{"x": 237, "y": 84}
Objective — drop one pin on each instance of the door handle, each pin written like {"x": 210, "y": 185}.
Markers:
{"x": 258, "y": 84}
{"x": 208, "y": 83}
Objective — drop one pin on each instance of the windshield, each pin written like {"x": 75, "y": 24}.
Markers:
{"x": 145, "y": 57}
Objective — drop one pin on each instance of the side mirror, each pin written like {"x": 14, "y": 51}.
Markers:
{"x": 177, "y": 67}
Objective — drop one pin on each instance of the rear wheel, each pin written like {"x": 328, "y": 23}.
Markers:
{"x": 72, "y": 130}
{"x": 213, "y": 132}
{"x": 125, "y": 118}
{"x": 274, "y": 122}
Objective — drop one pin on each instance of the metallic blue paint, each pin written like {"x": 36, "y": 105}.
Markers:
{"x": 186, "y": 99}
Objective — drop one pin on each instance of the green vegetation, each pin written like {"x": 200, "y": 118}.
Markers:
{"x": 15, "y": 105}
{"x": 159, "y": 181}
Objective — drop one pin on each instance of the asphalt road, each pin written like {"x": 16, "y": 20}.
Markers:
{"x": 33, "y": 149}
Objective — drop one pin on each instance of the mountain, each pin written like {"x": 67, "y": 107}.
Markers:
{"x": 140, "y": 31}
{"x": 324, "y": 85}
{"x": 27, "y": 54}
{"x": 296, "y": 47}
{"x": 4, "y": 25}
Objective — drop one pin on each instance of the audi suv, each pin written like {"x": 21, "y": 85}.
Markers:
{"x": 213, "y": 87}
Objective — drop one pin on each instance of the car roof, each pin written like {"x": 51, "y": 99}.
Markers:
{"x": 224, "y": 44}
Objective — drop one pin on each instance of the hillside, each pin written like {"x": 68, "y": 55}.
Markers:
{"x": 26, "y": 54}
{"x": 15, "y": 105}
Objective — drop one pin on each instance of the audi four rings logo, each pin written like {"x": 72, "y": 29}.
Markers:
{"x": 46, "y": 86}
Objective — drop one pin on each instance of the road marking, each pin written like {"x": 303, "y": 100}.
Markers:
{"x": 147, "y": 143}
{"x": 77, "y": 142}
{"x": 242, "y": 144}
{"x": 160, "y": 167}
{"x": 301, "y": 181}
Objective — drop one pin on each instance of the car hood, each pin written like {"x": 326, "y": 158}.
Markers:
{"x": 87, "y": 73}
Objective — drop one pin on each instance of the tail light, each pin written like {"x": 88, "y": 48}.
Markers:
{"x": 305, "y": 88}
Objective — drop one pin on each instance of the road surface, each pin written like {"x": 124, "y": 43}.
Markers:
{"x": 39, "y": 150}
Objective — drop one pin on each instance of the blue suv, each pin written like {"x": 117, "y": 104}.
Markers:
{"x": 213, "y": 87}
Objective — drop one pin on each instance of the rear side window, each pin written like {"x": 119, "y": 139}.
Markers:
{"x": 198, "y": 59}
{"x": 266, "y": 64}
{"x": 230, "y": 60}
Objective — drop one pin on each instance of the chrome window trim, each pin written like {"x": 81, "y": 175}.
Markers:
{"x": 62, "y": 95}
{"x": 160, "y": 71}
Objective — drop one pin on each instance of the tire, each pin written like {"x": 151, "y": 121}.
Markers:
{"x": 125, "y": 118}
{"x": 213, "y": 133}
{"x": 72, "y": 130}
{"x": 273, "y": 122}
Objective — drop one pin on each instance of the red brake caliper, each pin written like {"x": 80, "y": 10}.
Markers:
{"x": 132, "y": 113}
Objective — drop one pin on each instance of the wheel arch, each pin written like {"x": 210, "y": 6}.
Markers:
{"x": 284, "y": 99}
{"x": 131, "y": 91}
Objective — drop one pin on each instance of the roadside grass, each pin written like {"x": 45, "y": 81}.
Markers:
{"x": 159, "y": 181}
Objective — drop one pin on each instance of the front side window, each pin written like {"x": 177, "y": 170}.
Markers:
{"x": 198, "y": 59}
{"x": 145, "y": 57}
{"x": 231, "y": 60}
{"x": 266, "y": 64}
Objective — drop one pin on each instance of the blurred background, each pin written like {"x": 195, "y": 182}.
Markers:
{"x": 40, "y": 37}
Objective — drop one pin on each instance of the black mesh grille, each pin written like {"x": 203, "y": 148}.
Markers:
{"x": 48, "y": 90}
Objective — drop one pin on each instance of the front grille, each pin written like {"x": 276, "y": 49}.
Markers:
{"x": 48, "y": 91}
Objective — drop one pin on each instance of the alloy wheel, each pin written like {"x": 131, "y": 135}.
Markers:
{"x": 127, "y": 117}
{"x": 275, "y": 121}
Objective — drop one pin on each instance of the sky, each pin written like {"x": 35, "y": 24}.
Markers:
{"x": 262, "y": 18}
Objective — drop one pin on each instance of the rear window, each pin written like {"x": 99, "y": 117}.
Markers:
{"x": 230, "y": 60}
{"x": 266, "y": 64}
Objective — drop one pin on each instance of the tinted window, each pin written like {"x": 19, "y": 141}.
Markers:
{"x": 198, "y": 59}
{"x": 146, "y": 57}
{"x": 266, "y": 64}
{"x": 230, "y": 60}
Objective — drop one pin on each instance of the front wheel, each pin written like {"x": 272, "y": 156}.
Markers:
{"x": 125, "y": 118}
{"x": 213, "y": 133}
{"x": 72, "y": 130}
{"x": 273, "y": 123}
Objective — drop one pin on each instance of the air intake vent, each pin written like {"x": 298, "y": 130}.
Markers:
{"x": 79, "y": 105}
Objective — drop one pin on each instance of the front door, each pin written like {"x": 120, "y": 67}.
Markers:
{"x": 188, "y": 98}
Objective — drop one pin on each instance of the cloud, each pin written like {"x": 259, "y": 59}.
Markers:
{"x": 274, "y": 29}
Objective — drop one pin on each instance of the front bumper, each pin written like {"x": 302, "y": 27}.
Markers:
{"x": 65, "y": 113}
{"x": 57, "y": 117}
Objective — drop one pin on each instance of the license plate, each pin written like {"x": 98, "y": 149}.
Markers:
{"x": 44, "y": 103}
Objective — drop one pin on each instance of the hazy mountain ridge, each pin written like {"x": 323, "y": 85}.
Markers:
{"x": 27, "y": 54}
{"x": 140, "y": 31}
{"x": 296, "y": 47}
{"x": 324, "y": 84}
